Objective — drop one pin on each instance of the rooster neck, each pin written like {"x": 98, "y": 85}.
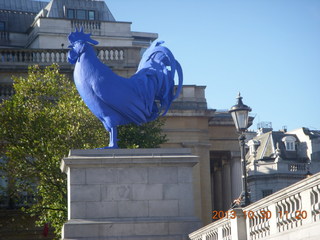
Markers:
{"x": 88, "y": 53}
{"x": 88, "y": 66}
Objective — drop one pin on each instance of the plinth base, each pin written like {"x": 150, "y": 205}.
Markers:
{"x": 130, "y": 194}
{"x": 130, "y": 229}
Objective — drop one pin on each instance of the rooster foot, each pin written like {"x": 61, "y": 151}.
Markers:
{"x": 108, "y": 147}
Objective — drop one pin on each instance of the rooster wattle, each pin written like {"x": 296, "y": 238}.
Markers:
{"x": 115, "y": 100}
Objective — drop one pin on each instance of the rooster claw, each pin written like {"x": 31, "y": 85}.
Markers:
{"x": 113, "y": 139}
{"x": 108, "y": 147}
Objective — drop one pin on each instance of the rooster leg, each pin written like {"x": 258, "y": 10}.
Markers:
{"x": 113, "y": 135}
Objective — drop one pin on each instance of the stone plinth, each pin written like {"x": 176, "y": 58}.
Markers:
{"x": 130, "y": 194}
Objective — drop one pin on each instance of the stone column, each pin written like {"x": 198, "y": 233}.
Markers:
{"x": 226, "y": 184}
{"x": 130, "y": 194}
{"x": 218, "y": 203}
{"x": 236, "y": 179}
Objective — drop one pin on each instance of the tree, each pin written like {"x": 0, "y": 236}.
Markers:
{"x": 40, "y": 123}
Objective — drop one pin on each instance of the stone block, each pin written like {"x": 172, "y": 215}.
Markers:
{"x": 81, "y": 193}
{"x": 133, "y": 175}
{"x": 146, "y": 228}
{"x": 99, "y": 210}
{"x": 185, "y": 175}
{"x": 186, "y": 208}
{"x": 147, "y": 191}
{"x": 185, "y": 191}
{"x": 183, "y": 227}
{"x": 77, "y": 176}
{"x": 79, "y": 231}
{"x": 163, "y": 175}
{"x": 100, "y": 175}
{"x": 117, "y": 229}
{"x": 161, "y": 208}
{"x": 78, "y": 210}
{"x": 171, "y": 191}
{"x": 133, "y": 208}
{"x": 116, "y": 192}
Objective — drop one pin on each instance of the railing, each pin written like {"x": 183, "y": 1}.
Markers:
{"x": 297, "y": 167}
{"x": 111, "y": 54}
{"x": 121, "y": 58}
{"x": 214, "y": 231}
{"x": 4, "y": 36}
{"x": 88, "y": 26}
{"x": 278, "y": 167}
{"x": 6, "y": 90}
{"x": 32, "y": 56}
{"x": 291, "y": 213}
{"x": 49, "y": 56}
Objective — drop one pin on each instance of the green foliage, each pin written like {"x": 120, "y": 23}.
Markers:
{"x": 40, "y": 123}
{"x": 148, "y": 135}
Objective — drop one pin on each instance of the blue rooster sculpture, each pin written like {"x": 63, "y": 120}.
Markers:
{"x": 115, "y": 100}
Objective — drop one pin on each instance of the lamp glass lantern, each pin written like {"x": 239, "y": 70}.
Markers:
{"x": 240, "y": 115}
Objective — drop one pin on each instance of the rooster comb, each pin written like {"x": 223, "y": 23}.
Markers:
{"x": 81, "y": 36}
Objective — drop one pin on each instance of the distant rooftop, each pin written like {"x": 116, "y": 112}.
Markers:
{"x": 18, "y": 15}
{"x": 60, "y": 8}
{"x": 22, "y": 5}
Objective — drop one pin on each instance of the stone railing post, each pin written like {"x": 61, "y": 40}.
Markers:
{"x": 273, "y": 219}
{"x": 238, "y": 225}
{"x": 306, "y": 209}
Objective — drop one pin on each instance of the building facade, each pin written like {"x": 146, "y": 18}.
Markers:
{"x": 35, "y": 32}
{"x": 42, "y": 40}
{"x": 277, "y": 159}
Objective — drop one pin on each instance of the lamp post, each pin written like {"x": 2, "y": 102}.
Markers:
{"x": 240, "y": 115}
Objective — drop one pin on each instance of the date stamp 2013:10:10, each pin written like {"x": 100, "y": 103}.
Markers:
{"x": 299, "y": 214}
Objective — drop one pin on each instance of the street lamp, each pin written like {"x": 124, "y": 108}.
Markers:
{"x": 240, "y": 115}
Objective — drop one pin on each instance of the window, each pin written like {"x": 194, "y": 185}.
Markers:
{"x": 290, "y": 146}
{"x": 91, "y": 15}
{"x": 2, "y": 26}
{"x": 253, "y": 146}
{"x": 70, "y": 13}
{"x": 81, "y": 14}
{"x": 290, "y": 143}
{"x": 266, "y": 192}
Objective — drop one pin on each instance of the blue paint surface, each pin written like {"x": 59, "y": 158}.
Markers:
{"x": 115, "y": 100}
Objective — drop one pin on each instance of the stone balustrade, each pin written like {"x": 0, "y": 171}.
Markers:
{"x": 88, "y": 26}
{"x": 6, "y": 90}
{"x": 260, "y": 168}
{"x": 59, "y": 56}
{"x": 4, "y": 36}
{"x": 22, "y": 58}
{"x": 291, "y": 213}
{"x": 38, "y": 56}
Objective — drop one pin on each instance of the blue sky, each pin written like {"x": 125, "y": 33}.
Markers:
{"x": 269, "y": 50}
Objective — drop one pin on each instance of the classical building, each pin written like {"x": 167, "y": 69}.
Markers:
{"x": 42, "y": 39}
{"x": 35, "y": 32}
{"x": 212, "y": 136}
{"x": 277, "y": 159}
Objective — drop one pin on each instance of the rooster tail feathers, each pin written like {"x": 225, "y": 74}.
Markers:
{"x": 161, "y": 60}
{"x": 180, "y": 76}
